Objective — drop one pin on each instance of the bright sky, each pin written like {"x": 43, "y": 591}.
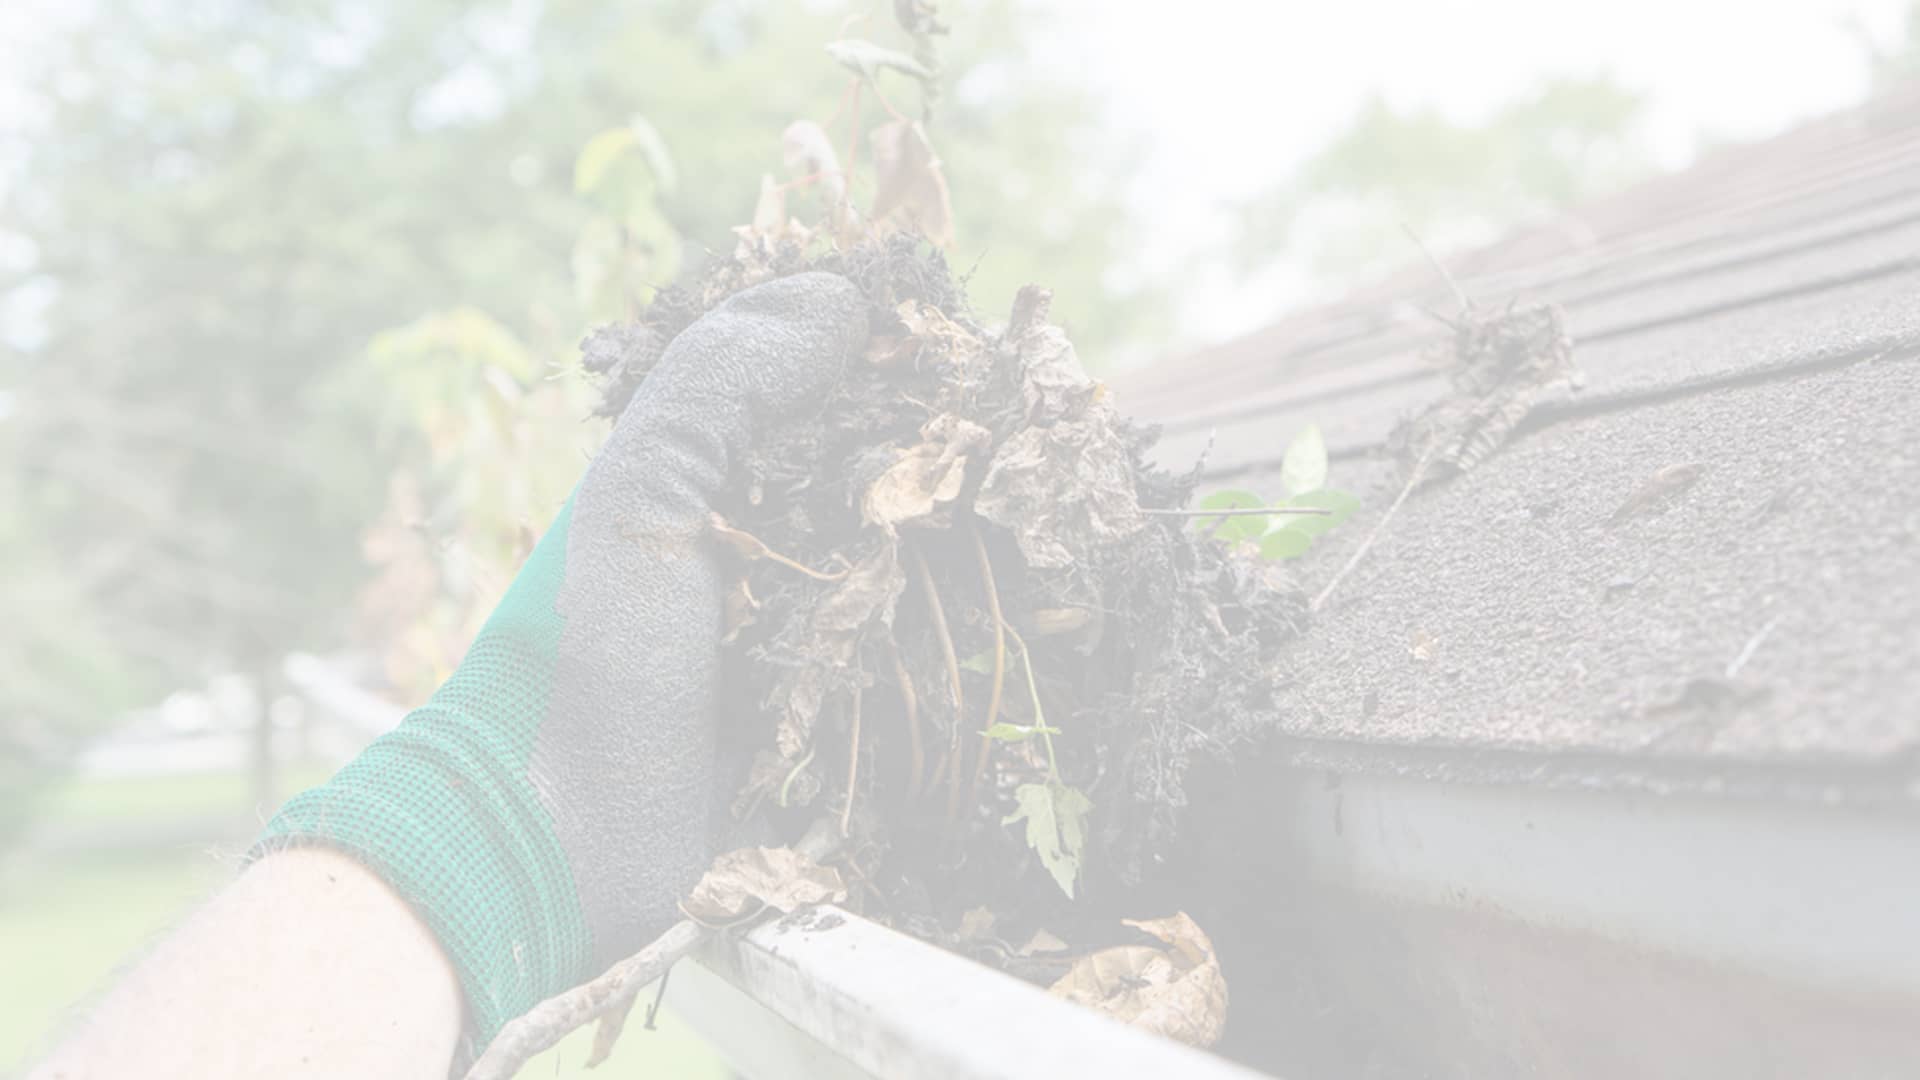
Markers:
{"x": 1231, "y": 95}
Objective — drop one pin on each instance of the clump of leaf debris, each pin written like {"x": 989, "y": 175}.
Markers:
{"x": 969, "y": 622}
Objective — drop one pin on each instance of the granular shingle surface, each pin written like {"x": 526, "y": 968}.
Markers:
{"x": 1709, "y": 553}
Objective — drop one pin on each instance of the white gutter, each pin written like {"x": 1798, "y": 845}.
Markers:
{"x": 827, "y": 994}
{"x": 1822, "y": 896}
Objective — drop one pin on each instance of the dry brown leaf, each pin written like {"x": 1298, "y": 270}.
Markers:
{"x": 1177, "y": 991}
{"x": 770, "y": 210}
{"x": 910, "y": 189}
{"x": 1072, "y": 480}
{"x": 808, "y": 152}
{"x": 740, "y": 610}
{"x": 1042, "y": 941}
{"x": 975, "y": 923}
{"x": 1660, "y": 491}
{"x": 1048, "y": 621}
{"x": 926, "y": 479}
{"x": 743, "y": 883}
{"x": 864, "y": 598}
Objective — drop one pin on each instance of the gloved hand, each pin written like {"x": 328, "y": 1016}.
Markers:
{"x": 544, "y": 811}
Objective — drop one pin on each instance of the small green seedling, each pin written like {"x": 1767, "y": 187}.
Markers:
{"x": 1303, "y": 478}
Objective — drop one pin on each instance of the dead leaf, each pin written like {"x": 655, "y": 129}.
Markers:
{"x": 865, "y": 599}
{"x": 743, "y": 883}
{"x": 926, "y": 479}
{"x": 975, "y": 924}
{"x": 1500, "y": 366}
{"x": 1423, "y": 646}
{"x": 1042, "y": 941}
{"x": 770, "y": 210}
{"x": 1659, "y": 492}
{"x": 910, "y": 188}
{"x": 808, "y": 153}
{"x": 1073, "y": 480}
{"x": 1054, "y": 383}
{"x": 1178, "y": 991}
{"x": 1049, "y": 621}
{"x": 740, "y": 610}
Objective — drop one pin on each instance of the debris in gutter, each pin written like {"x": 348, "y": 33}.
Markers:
{"x": 969, "y": 625}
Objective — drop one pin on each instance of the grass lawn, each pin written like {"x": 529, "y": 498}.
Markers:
{"x": 67, "y": 922}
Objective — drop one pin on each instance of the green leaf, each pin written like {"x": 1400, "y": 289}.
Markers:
{"x": 1287, "y": 543}
{"x": 1006, "y": 732}
{"x": 981, "y": 662}
{"x": 1340, "y": 504}
{"x": 1305, "y": 466}
{"x": 1232, "y": 529}
{"x": 1056, "y": 817}
{"x": 624, "y": 169}
{"x": 598, "y": 157}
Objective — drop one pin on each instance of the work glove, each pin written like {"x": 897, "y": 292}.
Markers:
{"x": 545, "y": 810}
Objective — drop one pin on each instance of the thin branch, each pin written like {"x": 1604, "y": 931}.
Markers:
{"x": 945, "y": 637}
{"x": 1244, "y": 511}
{"x": 1039, "y": 714}
{"x": 853, "y": 763}
{"x": 911, "y": 701}
{"x": 999, "y": 670}
{"x": 610, "y": 997}
{"x": 1413, "y": 480}
{"x": 554, "y": 1019}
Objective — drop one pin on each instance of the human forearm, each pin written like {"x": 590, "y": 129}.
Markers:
{"x": 306, "y": 966}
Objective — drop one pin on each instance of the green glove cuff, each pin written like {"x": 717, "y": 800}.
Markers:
{"x": 443, "y": 809}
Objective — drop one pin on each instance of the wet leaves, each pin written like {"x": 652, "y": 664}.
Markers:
{"x": 1177, "y": 991}
{"x": 926, "y": 479}
{"x": 741, "y": 884}
{"x": 1063, "y": 489}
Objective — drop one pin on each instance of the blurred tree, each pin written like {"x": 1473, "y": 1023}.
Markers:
{"x": 1451, "y": 183}
{"x": 223, "y": 204}
{"x": 1896, "y": 61}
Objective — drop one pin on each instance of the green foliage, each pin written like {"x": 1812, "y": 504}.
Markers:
{"x": 1303, "y": 477}
{"x": 1396, "y": 169}
{"x": 1056, "y": 817}
{"x": 1304, "y": 469}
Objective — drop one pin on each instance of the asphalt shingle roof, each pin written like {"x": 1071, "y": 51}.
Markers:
{"x": 1753, "y": 324}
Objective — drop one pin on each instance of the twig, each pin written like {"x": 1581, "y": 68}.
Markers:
{"x": 1039, "y": 714}
{"x": 999, "y": 671}
{"x": 853, "y": 762}
{"x": 1413, "y": 481}
{"x": 1459, "y": 294}
{"x": 1753, "y": 643}
{"x": 945, "y": 637}
{"x": 1243, "y": 511}
{"x": 610, "y": 997}
{"x": 816, "y": 575}
{"x": 559, "y": 1016}
{"x": 614, "y": 1021}
{"x": 911, "y": 701}
{"x": 793, "y": 774}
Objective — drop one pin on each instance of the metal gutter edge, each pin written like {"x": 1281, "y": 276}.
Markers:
{"x": 826, "y": 993}
{"x": 1453, "y": 929}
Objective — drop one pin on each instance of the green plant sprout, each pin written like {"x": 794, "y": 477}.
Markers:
{"x": 1303, "y": 478}
{"x": 1055, "y": 811}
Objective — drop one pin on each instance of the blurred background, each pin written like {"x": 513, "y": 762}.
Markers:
{"x": 290, "y": 296}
